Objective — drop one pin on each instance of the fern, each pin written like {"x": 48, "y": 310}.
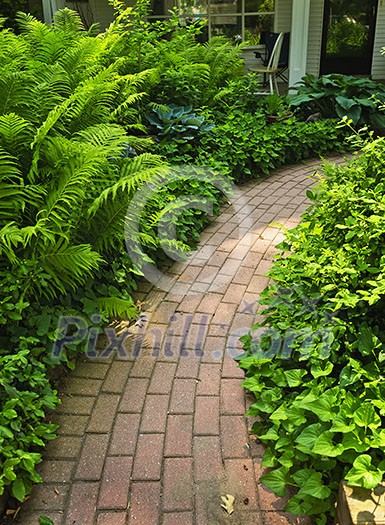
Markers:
{"x": 117, "y": 308}
{"x": 66, "y": 266}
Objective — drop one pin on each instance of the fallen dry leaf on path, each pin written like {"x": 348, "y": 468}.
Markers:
{"x": 228, "y": 503}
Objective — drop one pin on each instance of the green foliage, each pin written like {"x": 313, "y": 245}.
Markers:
{"x": 316, "y": 368}
{"x": 65, "y": 184}
{"x": 175, "y": 123}
{"x": 335, "y": 95}
{"x": 185, "y": 72}
{"x": 242, "y": 146}
{"x": 74, "y": 153}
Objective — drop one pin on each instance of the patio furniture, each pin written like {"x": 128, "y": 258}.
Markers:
{"x": 276, "y": 60}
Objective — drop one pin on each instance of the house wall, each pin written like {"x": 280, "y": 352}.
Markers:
{"x": 315, "y": 37}
{"x": 283, "y": 23}
{"x": 378, "y": 64}
{"x": 102, "y": 12}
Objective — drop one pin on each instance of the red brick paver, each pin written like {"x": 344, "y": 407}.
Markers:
{"x": 157, "y": 436}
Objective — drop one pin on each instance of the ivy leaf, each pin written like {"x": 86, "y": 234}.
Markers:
{"x": 367, "y": 417}
{"x": 294, "y": 377}
{"x": 297, "y": 506}
{"x": 363, "y": 473}
{"x": 342, "y": 424}
{"x": 325, "y": 446}
{"x": 324, "y": 407}
{"x": 314, "y": 487}
{"x": 323, "y": 368}
{"x": 355, "y": 442}
{"x": 308, "y": 437}
{"x": 276, "y": 481}
{"x": 269, "y": 458}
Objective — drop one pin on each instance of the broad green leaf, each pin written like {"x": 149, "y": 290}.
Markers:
{"x": 295, "y": 377}
{"x": 353, "y": 441}
{"x": 323, "y": 368}
{"x": 18, "y": 489}
{"x": 367, "y": 417}
{"x": 314, "y": 487}
{"x": 325, "y": 447}
{"x": 363, "y": 473}
{"x": 269, "y": 458}
{"x": 279, "y": 414}
{"x": 4, "y": 431}
{"x": 324, "y": 407}
{"x": 9, "y": 473}
{"x": 297, "y": 506}
{"x": 342, "y": 424}
{"x": 286, "y": 460}
{"x": 276, "y": 481}
{"x": 308, "y": 437}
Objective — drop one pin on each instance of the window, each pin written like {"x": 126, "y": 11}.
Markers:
{"x": 236, "y": 19}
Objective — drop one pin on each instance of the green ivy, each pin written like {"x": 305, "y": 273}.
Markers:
{"x": 317, "y": 368}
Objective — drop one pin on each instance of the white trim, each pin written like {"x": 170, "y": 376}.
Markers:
{"x": 299, "y": 40}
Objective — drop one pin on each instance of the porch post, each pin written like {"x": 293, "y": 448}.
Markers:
{"x": 47, "y": 12}
{"x": 298, "y": 40}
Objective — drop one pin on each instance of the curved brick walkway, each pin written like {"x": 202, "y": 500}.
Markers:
{"x": 157, "y": 435}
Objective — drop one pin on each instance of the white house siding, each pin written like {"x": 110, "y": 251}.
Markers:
{"x": 282, "y": 19}
{"x": 102, "y": 12}
{"x": 315, "y": 37}
{"x": 378, "y": 64}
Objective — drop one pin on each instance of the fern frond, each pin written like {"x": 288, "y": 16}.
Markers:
{"x": 16, "y": 92}
{"x": 112, "y": 138}
{"x": 67, "y": 266}
{"x": 67, "y": 21}
{"x": 15, "y": 132}
{"x": 31, "y": 27}
{"x": 134, "y": 172}
{"x": 10, "y": 237}
{"x": 117, "y": 308}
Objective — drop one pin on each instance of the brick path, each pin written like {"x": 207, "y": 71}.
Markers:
{"x": 156, "y": 436}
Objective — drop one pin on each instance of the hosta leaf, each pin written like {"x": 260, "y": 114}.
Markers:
{"x": 276, "y": 481}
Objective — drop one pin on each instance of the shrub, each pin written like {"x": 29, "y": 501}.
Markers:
{"x": 316, "y": 368}
{"x": 335, "y": 95}
{"x": 243, "y": 147}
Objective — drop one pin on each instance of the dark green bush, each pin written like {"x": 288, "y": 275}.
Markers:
{"x": 357, "y": 99}
{"x": 243, "y": 147}
{"x": 316, "y": 368}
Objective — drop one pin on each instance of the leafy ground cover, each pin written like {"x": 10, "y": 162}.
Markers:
{"x": 74, "y": 150}
{"x": 316, "y": 368}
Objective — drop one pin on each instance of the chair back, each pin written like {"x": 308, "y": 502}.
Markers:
{"x": 269, "y": 39}
{"x": 275, "y": 54}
